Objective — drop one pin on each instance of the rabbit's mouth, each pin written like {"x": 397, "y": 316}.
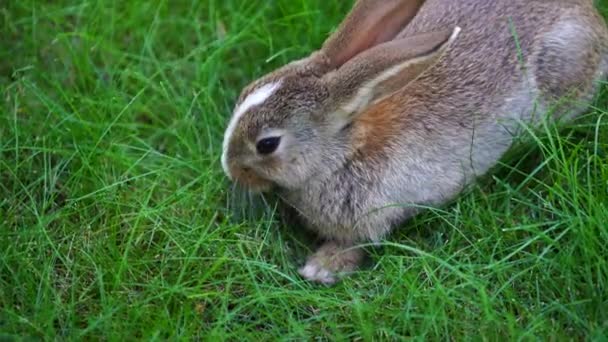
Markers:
{"x": 249, "y": 180}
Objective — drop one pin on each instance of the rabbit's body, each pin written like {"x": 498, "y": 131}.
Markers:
{"x": 454, "y": 122}
{"x": 415, "y": 134}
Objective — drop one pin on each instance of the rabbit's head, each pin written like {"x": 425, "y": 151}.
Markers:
{"x": 292, "y": 124}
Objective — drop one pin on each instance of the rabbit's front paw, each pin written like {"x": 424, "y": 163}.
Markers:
{"x": 315, "y": 272}
{"x": 330, "y": 261}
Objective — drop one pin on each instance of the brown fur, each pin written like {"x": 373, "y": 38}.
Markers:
{"x": 373, "y": 129}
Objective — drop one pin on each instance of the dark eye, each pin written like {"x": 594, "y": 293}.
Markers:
{"x": 268, "y": 145}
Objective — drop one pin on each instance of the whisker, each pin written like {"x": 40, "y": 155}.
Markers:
{"x": 264, "y": 200}
{"x": 268, "y": 209}
{"x": 251, "y": 206}
{"x": 238, "y": 204}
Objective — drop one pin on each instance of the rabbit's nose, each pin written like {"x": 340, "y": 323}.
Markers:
{"x": 240, "y": 173}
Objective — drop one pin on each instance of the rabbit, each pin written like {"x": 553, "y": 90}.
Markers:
{"x": 403, "y": 107}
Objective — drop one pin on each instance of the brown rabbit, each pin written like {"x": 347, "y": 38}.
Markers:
{"x": 404, "y": 106}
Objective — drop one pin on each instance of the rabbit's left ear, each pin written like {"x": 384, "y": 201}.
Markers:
{"x": 382, "y": 70}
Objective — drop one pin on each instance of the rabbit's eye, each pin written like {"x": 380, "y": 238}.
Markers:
{"x": 268, "y": 145}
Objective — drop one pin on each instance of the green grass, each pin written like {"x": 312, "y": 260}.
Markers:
{"x": 113, "y": 208}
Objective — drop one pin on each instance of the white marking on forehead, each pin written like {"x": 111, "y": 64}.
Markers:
{"x": 257, "y": 97}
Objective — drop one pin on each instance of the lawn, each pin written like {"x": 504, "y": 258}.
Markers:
{"x": 116, "y": 219}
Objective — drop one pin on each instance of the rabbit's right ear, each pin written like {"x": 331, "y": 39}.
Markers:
{"x": 381, "y": 71}
{"x": 369, "y": 23}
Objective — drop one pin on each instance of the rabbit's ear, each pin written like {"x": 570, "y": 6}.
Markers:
{"x": 382, "y": 70}
{"x": 369, "y": 23}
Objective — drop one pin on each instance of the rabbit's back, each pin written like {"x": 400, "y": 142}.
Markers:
{"x": 544, "y": 48}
